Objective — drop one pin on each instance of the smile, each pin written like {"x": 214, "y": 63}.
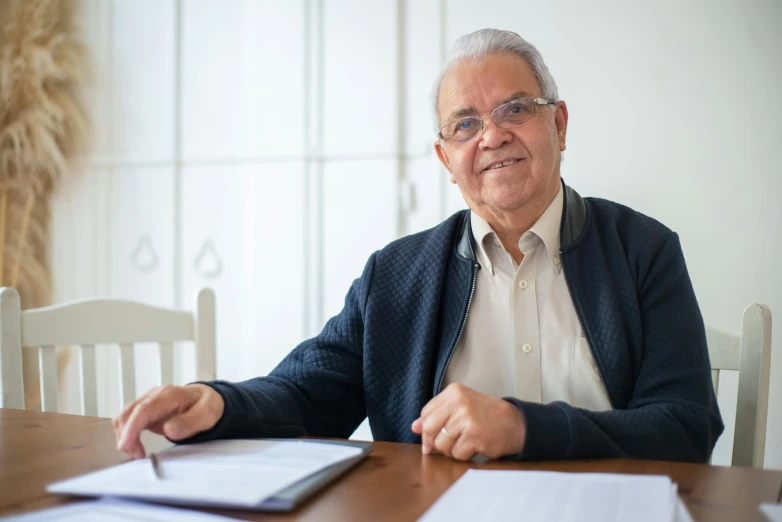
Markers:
{"x": 502, "y": 164}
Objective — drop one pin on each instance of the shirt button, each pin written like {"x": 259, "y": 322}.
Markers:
{"x": 527, "y": 348}
{"x": 523, "y": 284}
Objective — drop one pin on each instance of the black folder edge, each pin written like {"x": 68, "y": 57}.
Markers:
{"x": 296, "y": 494}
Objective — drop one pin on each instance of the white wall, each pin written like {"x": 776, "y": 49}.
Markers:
{"x": 289, "y": 139}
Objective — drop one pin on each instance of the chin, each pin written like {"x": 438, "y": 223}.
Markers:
{"x": 507, "y": 198}
{"x": 507, "y": 204}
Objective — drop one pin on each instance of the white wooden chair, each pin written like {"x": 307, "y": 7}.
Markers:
{"x": 87, "y": 322}
{"x": 750, "y": 354}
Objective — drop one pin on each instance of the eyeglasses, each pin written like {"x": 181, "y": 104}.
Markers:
{"x": 512, "y": 114}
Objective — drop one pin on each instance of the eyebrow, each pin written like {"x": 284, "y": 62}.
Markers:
{"x": 470, "y": 111}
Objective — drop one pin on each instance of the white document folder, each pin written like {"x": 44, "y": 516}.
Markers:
{"x": 259, "y": 474}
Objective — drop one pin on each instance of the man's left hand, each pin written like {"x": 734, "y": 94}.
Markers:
{"x": 461, "y": 422}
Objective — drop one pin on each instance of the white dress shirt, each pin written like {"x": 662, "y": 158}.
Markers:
{"x": 523, "y": 337}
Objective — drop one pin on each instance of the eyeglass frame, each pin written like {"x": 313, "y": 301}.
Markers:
{"x": 538, "y": 102}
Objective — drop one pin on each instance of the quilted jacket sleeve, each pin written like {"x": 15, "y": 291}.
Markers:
{"x": 672, "y": 414}
{"x": 316, "y": 390}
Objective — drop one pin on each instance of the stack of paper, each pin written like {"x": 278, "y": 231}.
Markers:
{"x": 546, "y": 496}
{"x": 224, "y": 473}
{"x": 773, "y": 512}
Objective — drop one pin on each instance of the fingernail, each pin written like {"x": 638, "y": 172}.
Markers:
{"x": 426, "y": 449}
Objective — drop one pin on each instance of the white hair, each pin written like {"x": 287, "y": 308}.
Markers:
{"x": 484, "y": 42}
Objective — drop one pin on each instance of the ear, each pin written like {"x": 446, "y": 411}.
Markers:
{"x": 560, "y": 120}
{"x": 443, "y": 157}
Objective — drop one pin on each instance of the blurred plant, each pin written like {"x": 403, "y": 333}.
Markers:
{"x": 43, "y": 132}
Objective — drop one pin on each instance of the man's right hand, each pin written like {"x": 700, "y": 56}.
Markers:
{"x": 177, "y": 412}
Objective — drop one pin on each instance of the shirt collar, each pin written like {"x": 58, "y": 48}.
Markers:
{"x": 546, "y": 228}
{"x": 482, "y": 232}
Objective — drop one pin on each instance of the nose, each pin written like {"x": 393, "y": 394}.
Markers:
{"x": 493, "y": 136}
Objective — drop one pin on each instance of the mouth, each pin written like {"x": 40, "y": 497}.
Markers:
{"x": 502, "y": 164}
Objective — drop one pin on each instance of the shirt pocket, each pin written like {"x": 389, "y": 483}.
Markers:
{"x": 587, "y": 390}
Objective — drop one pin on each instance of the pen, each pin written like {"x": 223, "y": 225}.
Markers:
{"x": 156, "y": 466}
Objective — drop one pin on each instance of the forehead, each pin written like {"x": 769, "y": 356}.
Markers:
{"x": 484, "y": 83}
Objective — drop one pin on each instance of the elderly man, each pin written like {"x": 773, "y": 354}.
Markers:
{"x": 536, "y": 325}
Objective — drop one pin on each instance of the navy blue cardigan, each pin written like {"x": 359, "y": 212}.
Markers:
{"x": 384, "y": 355}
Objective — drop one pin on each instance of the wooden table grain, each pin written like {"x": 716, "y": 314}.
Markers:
{"x": 394, "y": 483}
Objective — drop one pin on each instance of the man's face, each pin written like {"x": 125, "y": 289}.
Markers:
{"x": 481, "y": 86}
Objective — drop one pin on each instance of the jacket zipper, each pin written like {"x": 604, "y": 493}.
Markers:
{"x": 476, "y": 267}
{"x": 586, "y": 335}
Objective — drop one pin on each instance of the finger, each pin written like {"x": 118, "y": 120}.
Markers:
{"x": 150, "y": 411}
{"x": 445, "y": 441}
{"x": 432, "y": 427}
{"x": 122, "y": 417}
{"x": 464, "y": 447}
{"x": 417, "y": 426}
{"x": 136, "y": 450}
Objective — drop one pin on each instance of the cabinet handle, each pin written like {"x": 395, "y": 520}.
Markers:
{"x": 206, "y": 257}
{"x": 144, "y": 257}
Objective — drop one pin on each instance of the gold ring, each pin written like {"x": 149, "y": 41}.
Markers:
{"x": 445, "y": 432}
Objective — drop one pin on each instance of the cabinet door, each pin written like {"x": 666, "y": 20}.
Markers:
{"x": 360, "y": 115}
{"x": 212, "y": 247}
{"x": 141, "y": 255}
{"x": 359, "y": 217}
{"x": 422, "y": 61}
{"x": 426, "y": 193}
{"x": 243, "y": 236}
{"x": 142, "y": 82}
{"x": 95, "y": 25}
{"x": 243, "y": 79}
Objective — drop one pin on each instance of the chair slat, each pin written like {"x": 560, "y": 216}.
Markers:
{"x": 166, "y": 363}
{"x": 89, "y": 382}
{"x": 749, "y": 438}
{"x": 127, "y": 368}
{"x": 47, "y": 364}
{"x": 206, "y": 364}
{"x": 715, "y": 379}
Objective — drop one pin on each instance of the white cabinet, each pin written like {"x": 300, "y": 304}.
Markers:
{"x": 212, "y": 244}
{"x": 359, "y": 217}
{"x": 425, "y": 200}
{"x": 422, "y": 65}
{"x": 95, "y": 25}
{"x": 142, "y": 81}
{"x": 359, "y": 102}
{"x": 242, "y": 79}
{"x": 142, "y": 253}
{"x": 243, "y": 236}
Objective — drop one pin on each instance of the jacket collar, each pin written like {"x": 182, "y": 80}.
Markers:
{"x": 570, "y": 229}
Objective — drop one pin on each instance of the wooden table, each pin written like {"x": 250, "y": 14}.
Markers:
{"x": 395, "y": 483}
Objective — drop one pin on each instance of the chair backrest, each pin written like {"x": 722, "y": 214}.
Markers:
{"x": 87, "y": 322}
{"x": 750, "y": 354}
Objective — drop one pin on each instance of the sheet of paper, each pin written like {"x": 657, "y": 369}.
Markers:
{"x": 773, "y": 512}
{"x": 239, "y": 473}
{"x": 541, "y": 496}
{"x": 115, "y": 511}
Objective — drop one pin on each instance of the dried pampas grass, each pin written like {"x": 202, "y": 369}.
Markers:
{"x": 43, "y": 130}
